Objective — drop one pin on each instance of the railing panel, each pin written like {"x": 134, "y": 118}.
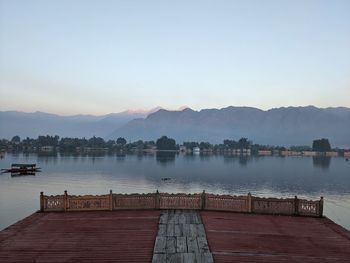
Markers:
{"x": 309, "y": 208}
{"x": 205, "y": 201}
{"x": 54, "y": 203}
{"x": 134, "y": 201}
{"x": 88, "y": 202}
{"x": 226, "y": 203}
{"x": 273, "y": 206}
{"x": 180, "y": 201}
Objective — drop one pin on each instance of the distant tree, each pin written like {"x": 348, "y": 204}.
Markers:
{"x": 96, "y": 142}
{"x": 47, "y": 140}
{"x": 121, "y": 141}
{"x": 165, "y": 143}
{"x": 16, "y": 139}
{"x": 231, "y": 144}
{"x": 321, "y": 145}
{"x": 205, "y": 145}
{"x": 243, "y": 143}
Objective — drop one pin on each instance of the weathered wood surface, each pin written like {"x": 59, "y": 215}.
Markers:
{"x": 181, "y": 238}
{"x": 235, "y": 237}
{"x": 98, "y": 236}
{"x": 203, "y": 201}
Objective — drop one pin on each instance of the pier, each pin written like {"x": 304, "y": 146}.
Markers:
{"x": 161, "y": 227}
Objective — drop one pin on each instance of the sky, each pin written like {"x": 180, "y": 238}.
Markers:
{"x": 98, "y": 57}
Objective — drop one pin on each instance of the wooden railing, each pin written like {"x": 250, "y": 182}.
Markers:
{"x": 203, "y": 201}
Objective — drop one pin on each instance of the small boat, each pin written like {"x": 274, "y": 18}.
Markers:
{"x": 21, "y": 168}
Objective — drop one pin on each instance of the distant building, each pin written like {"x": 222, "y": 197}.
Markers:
{"x": 196, "y": 150}
{"x": 246, "y": 151}
{"x": 47, "y": 148}
{"x": 346, "y": 154}
{"x": 265, "y": 152}
{"x": 309, "y": 153}
{"x": 332, "y": 154}
{"x": 290, "y": 153}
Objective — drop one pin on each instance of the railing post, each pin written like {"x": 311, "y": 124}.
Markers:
{"x": 249, "y": 202}
{"x": 42, "y": 201}
{"x": 203, "y": 200}
{"x": 157, "y": 200}
{"x": 321, "y": 207}
{"x": 296, "y": 206}
{"x": 65, "y": 200}
{"x": 110, "y": 200}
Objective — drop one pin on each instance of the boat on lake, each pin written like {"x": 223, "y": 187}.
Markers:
{"x": 22, "y": 168}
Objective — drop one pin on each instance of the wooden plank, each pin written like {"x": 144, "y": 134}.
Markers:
{"x": 189, "y": 257}
{"x": 186, "y": 230}
{"x": 178, "y": 230}
{"x": 205, "y": 258}
{"x": 200, "y": 231}
{"x": 159, "y": 258}
{"x": 174, "y": 258}
{"x": 196, "y": 218}
{"x": 182, "y": 218}
{"x": 189, "y": 217}
{"x": 160, "y": 245}
{"x": 181, "y": 245}
{"x": 162, "y": 230}
{"x": 170, "y": 216}
{"x": 163, "y": 218}
{"x": 192, "y": 245}
{"x": 170, "y": 245}
{"x": 170, "y": 230}
{"x": 202, "y": 245}
{"x": 193, "y": 230}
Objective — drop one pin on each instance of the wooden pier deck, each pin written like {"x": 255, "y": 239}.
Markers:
{"x": 130, "y": 236}
{"x": 235, "y": 237}
{"x": 97, "y": 236}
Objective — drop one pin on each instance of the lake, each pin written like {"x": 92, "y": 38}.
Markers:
{"x": 270, "y": 176}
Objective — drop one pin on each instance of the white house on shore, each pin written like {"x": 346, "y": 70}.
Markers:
{"x": 196, "y": 150}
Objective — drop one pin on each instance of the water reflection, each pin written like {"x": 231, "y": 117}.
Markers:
{"x": 243, "y": 160}
{"x": 321, "y": 161}
{"x": 165, "y": 158}
{"x": 96, "y": 174}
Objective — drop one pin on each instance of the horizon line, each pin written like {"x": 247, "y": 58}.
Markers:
{"x": 157, "y": 108}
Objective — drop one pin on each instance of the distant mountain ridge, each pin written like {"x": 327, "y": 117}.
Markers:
{"x": 277, "y": 126}
{"x": 41, "y": 123}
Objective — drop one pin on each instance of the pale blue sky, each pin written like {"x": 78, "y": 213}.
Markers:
{"x": 97, "y": 57}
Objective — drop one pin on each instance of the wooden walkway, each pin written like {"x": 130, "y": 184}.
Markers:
{"x": 237, "y": 237}
{"x": 172, "y": 236}
{"x": 98, "y": 236}
{"x": 181, "y": 238}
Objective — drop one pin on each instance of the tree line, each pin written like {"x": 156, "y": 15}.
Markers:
{"x": 67, "y": 144}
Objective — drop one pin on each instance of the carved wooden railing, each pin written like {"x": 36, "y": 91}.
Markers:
{"x": 273, "y": 206}
{"x": 134, "y": 201}
{"x": 227, "y": 203}
{"x": 203, "y": 201}
{"x": 180, "y": 201}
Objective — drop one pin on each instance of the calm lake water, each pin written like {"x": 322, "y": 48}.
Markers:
{"x": 306, "y": 177}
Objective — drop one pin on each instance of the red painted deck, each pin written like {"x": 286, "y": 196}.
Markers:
{"x": 99, "y": 236}
{"x": 237, "y": 237}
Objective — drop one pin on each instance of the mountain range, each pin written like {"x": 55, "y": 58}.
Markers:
{"x": 277, "y": 126}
